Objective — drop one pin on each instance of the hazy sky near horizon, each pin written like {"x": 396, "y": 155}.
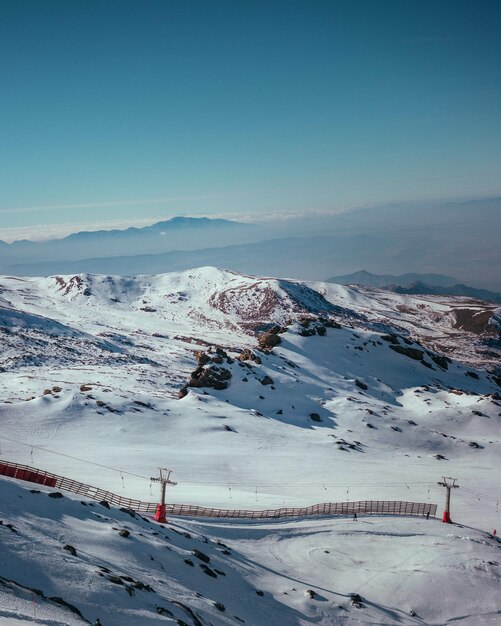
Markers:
{"x": 122, "y": 111}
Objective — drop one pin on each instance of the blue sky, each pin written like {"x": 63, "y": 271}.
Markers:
{"x": 117, "y": 111}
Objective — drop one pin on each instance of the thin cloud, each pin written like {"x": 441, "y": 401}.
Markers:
{"x": 97, "y": 205}
{"x": 45, "y": 232}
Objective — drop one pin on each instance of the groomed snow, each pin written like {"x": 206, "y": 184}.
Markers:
{"x": 407, "y": 571}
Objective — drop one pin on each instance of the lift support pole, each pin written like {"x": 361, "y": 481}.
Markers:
{"x": 164, "y": 480}
{"x": 449, "y": 483}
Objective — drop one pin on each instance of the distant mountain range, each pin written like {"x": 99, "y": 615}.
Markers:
{"x": 419, "y": 287}
{"x": 432, "y": 284}
{"x": 363, "y": 277}
{"x": 159, "y": 228}
{"x": 178, "y": 233}
{"x": 295, "y": 248}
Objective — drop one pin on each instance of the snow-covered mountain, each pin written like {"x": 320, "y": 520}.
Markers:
{"x": 258, "y": 393}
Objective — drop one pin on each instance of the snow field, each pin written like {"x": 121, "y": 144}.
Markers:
{"x": 89, "y": 389}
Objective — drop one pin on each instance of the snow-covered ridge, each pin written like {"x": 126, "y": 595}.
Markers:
{"x": 223, "y": 298}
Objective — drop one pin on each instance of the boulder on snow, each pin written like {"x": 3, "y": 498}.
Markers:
{"x": 213, "y": 376}
{"x": 200, "y": 555}
{"x": 249, "y": 355}
{"x": 268, "y": 341}
{"x": 267, "y": 380}
{"x": 357, "y": 600}
{"x": 202, "y": 357}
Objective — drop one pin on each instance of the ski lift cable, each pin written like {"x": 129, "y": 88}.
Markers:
{"x": 75, "y": 458}
{"x": 217, "y": 483}
{"x": 481, "y": 495}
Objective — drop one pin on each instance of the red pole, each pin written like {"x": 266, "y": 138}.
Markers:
{"x": 160, "y": 515}
{"x": 446, "y": 518}
{"x": 448, "y": 483}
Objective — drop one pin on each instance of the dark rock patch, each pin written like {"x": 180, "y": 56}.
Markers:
{"x": 67, "y": 605}
{"x": 200, "y": 556}
{"x": 390, "y": 338}
{"x": 268, "y": 341}
{"x": 441, "y": 361}
{"x": 357, "y": 600}
{"x": 164, "y": 612}
{"x": 412, "y": 353}
{"x": 249, "y": 355}
{"x": 213, "y": 376}
{"x": 207, "y": 570}
{"x": 474, "y": 444}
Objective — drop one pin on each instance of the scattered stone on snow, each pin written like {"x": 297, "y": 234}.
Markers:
{"x": 200, "y": 555}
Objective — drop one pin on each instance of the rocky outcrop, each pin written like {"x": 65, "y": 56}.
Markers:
{"x": 210, "y": 371}
{"x": 212, "y": 375}
{"x": 316, "y": 326}
{"x": 248, "y": 355}
{"x": 268, "y": 341}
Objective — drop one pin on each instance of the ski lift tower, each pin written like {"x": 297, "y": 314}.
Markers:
{"x": 449, "y": 483}
{"x": 164, "y": 480}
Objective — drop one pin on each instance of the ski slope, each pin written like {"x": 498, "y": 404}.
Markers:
{"x": 90, "y": 373}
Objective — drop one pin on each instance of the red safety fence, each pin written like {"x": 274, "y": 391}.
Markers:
{"x": 33, "y": 475}
{"x": 362, "y": 507}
